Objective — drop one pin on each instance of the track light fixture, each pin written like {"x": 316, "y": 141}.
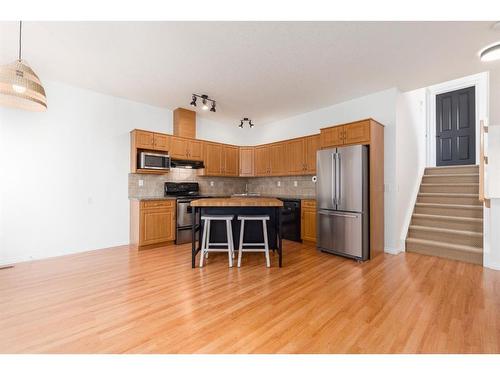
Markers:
{"x": 204, "y": 102}
{"x": 246, "y": 119}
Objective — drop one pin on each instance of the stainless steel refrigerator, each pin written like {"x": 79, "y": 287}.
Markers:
{"x": 343, "y": 201}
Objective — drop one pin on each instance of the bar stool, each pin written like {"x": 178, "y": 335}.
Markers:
{"x": 265, "y": 249}
{"x": 205, "y": 240}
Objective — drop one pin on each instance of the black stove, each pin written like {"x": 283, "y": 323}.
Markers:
{"x": 182, "y": 189}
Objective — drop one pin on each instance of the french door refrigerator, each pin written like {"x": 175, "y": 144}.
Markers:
{"x": 343, "y": 201}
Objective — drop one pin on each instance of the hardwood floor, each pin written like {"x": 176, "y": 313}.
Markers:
{"x": 123, "y": 301}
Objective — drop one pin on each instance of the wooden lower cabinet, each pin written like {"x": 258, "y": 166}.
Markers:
{"x": 152, "y": 223}
{"x": 308, "y": 220}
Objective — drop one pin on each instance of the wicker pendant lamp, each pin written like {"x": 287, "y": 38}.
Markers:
{"x": 20, "y": 87}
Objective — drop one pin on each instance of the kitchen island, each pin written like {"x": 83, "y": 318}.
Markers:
{"x": 238, "y": 206}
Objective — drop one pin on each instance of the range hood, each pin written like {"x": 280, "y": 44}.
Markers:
{"x": 186, "y": 164}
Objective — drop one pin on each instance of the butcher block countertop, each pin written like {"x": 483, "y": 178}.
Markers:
{"x": 237, "y": 202}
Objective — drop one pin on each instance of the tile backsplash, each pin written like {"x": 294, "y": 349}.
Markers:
{"x": 152, "y": 185}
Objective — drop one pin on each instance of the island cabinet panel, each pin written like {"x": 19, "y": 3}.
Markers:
{"x": 230, "y": 166}
{"x": 294, "y": 156}
{"x": 308, "y": 220}
{"x": 278, "y": 159}
{"x": 312, "y": 145}
{"x": 213, "y": 159}
{"x": 246, "y": 162}
{"x": 262, "y": 161}
{"x": 152, "y": 223}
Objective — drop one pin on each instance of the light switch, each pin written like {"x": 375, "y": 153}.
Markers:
{"x": 141, "y": 182}
{"x": 295, "y": 184}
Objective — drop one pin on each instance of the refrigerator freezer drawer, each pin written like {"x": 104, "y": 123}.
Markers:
{"x": 341, "y": 233}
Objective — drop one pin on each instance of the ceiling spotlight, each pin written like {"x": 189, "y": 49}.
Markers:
{"x": 204, "y": 102}
{"x": 490, "y": 53}
{"x": 246, "y": 119}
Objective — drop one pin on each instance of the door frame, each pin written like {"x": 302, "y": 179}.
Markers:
{"x": 481, "y": 83}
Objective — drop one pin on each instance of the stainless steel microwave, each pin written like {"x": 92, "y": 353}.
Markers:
{"x": 152, "y": 160}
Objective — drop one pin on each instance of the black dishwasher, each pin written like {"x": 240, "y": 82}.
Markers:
{"x": 290, "y": 219}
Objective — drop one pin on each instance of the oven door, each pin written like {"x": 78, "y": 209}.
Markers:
{"x": 185, "y": 213}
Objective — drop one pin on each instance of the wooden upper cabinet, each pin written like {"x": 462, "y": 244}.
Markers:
{"x": 144, "y": 139}
{"x": 161, "y": 142}
{"x": 295, "y": 156}
{"x": 348, "y": 134}
{"x": 277, "y": 153}
{"x": 178, "y": 148}
{"x": 231, "y": 160}
{"x": 213, "y": 159}
{"x": 195, "y": 150}
{"x": 246, "y": 162}
{"x": 331, "y": 137}
{"x": 262, "y": 162}
{"x": 184, "y": 123}
{"x": 312, "y": 145}
{"x": 358, "y": 132}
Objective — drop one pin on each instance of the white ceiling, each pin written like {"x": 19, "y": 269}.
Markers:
{"x": 263, "y": 70}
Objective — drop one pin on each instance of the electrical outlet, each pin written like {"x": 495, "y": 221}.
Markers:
{"x": 211, "y": 183}
{"x": 141, "y": 183}
{"x": 295, "y": 184}
{"x": 279, "y": 183}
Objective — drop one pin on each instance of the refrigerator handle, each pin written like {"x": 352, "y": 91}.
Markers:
{"x": 338, "y": 188}
{"x": 334, "y": 185}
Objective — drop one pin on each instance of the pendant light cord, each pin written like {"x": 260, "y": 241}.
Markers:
{"x": 20, "y": 37}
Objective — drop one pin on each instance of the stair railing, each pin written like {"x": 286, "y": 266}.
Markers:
{"x": 483, "y": 162}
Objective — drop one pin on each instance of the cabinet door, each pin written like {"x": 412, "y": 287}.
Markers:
{"x": 262, "y": 161}
{"x": 358, "y": 132}
{"x": 195, "y": 150}
{"x": 332, "y": 137}
{"x": 277, "y": 153}
{"x": 178, "y": 148}
{"x": 246, "y": 161}
{"x": 144, "y": 139}
{"x": 161, "y": 142}
{"x": 294, "y": 159}
{"x": 308, "y": 221}
{"x": 311, "y": 148}
{"x": 231, "y": 157}
{"x": 157, "y": 225}
{"x": 213, "y": 159}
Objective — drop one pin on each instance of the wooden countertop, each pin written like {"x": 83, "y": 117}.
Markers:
{"x": 237, "y": 202}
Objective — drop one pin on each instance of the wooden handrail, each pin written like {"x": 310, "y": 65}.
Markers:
{"x": 483, "y": 160}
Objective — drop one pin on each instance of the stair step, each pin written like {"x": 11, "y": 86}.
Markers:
{"x": 449, "y": 198}
{"x": 469, "y": 188}
{"x": 463, "y": 253}
{"x": 460, "y": 210}
{"x": 459, "y": 178}
{"x": 449, "y": 236}
{"x": 448, "y": 222}
{"x": 456, "y": 169}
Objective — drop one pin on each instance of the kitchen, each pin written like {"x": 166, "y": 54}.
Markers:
{"x": 183, "y": 168}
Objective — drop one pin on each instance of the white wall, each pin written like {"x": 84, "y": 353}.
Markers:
{"x": 411, "y": 157}
{"x": 381, "y": 106}
{"x": 64, "y": 172}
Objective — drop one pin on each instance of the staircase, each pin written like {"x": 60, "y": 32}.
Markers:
{"x": 447, "y": 220}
